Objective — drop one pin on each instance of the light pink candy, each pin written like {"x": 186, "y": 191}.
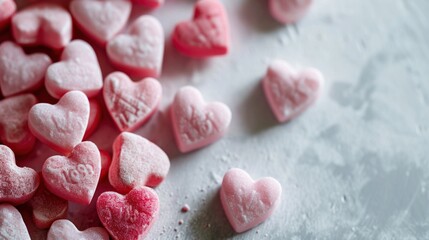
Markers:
{"x": 195, "y": 123}
{"x": 289, "y": 11}
{"x": 248, "y": 203}
{"x": 66, "y": 230}
{"x": 12, "y": 225}
{"x": 7, "y": 9}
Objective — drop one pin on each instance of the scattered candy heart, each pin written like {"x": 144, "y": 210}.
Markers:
{"x": 7, "y": 9}
{"x": 66, "y": 230}
{"x": 289, "y": 11}
{"x": 11, "y": 224}
{"x": 95, "y": 114}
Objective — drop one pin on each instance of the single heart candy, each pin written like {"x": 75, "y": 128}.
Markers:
{"x": 100, "y": 19}
{"x": 75, "y": 177}
{"x": 136, "y": 162}
{"x": 207, "y": 34}
{"x": 130, "y": 103}
{"x": 196, "y": 123}
{"x": 95, "y": 115}
{"x": 77, "y": 70}
{"x": 149, "y": 3}
{"x": 140, "y": 50}
{"x": 12, "y": 225}
{"x": 289, "y": 92}
{"x": 65, "y": 230}
{"x": 128, "y": 217}
{"x": 7, "y": 9}
{"x": 289, "y": 11}
{"x": 63, "y": 125}
{"x": 248, "y": 203}
{"x": 20, "y": 72}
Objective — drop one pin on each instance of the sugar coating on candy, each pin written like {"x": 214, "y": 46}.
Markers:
{"x": 75, "y": 177}
{"x": 65, "y": 230}
{"x": 45, "y": 24}
{"x": 128, "y": 217}
{"x": 290, "y": 92}
{"x": 12, "y": 225}
{"x": 196, "y": 123}
{"x": 248, "y": 203}
{"x": 19, "y": 72}
{"x": 101, "y": 19}
{"x": 61, "y": 126}
{"x": 131, "y": 104}
{"x": 289, "y": 11}
{"x": 136, "y": 162}
{"x": 78, "y": 70}
{"x": 14, "y": 130}
{"x": 17, "y": 185}
{"x": 95, "y": 115}
{"x": 7, "y": 9}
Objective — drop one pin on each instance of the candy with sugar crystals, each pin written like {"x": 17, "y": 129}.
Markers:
{"x": 7, "y": 9}
{"x": 45, "y": 24}
{"x": 12, "y": 225}
{"x": 76, "y": 176}
{"x": 20, "y": 72}
{"x": 63, "y": 125}
{"x": 289, "y": 11}
{"x": 207, "y": 34}
{"x": 100, "y": 19}
{"x": 149, "y": 3}
{"x": 65, "y": 230}
{"x": 130, "y": 103}
{"x": 95, "y": 114}
{"x": 78, "y": 70}
{"x": 196, "y": 123}
{"x": 17, "y": 185}
{"x": 248, "y": 203}
{"x": 139, "y": 51}
{"x": 14, "y": 130}
{"x": 106, "y": 160}
{"x": 290, "y": 92}
{"x": 136, "y": 162}
{"x": 128, "y": 217}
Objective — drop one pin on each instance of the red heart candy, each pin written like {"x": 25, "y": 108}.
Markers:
{"x": 7, "y": 9}
{"x": 12, "y": 225}
{"x": 65, "y": 230}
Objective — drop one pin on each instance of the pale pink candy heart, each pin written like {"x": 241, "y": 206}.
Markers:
{"x": 207, "y": 34}
{"x": 7, "y": 9}
{"x": 130, "y": 103}
{"x": 149, "y": 3}
{"x": 78, "y": 70}
{"x": 17, "y": 185}
{"x": 196, "y": 123}
{"x": 289, "y": 92}
{"x": 65, "y": 230}
{"x": 289, "y": 11}
{"x": 20, "y": 72}
{"x": 100, "y": 19}
{"x": 140, "y": 50}
{"x": 45, "y": 24}
{"x": 248, "y": 203}
{"x": 61, "y": 126}
{"x": 136, "y": 162}
{"x": 12, "y": 225}
{"x": 76, "y": 176}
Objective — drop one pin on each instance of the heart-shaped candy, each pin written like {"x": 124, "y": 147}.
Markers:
{"x": 196, "y": 123}
{"x": 289, "y": 92}
{"x": 248, "y": 203}
{"x": 12, "y": 225}
{"x": 149, "y": 3}
{"x": 45, "y": 24}
{"x": 7, "y": 9}
{"x": 207, "y": 34}
{"x": 95, "y": 115}
{"x": 75, "y": 177}
{"x": 17, "y": 185}
{"x": 78, "y": 70}
{"x": 136, "y": 162}
{"x": 128, "y": 217}
{"x": 19, "y": 72}
{"x": 65, "y": 230}
{"x": 63, "y": 125}
{"x": 131, "y": 104}
{"x": 100, "y": 19}
{"x": 140, "y": 50}
{"x": 289, "y": 11}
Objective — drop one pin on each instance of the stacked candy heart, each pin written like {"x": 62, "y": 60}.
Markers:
{"x": 137, "y": 165}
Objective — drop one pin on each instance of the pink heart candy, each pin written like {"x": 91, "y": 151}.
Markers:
{"x": 95, "y": 115}
{"x": 288, "y": 92}
{"x": 65, "y": 230}
{"x": 131, "y": 104}
{"x": 17, "y": 185}
{"x": 61, "y": 126}
{"x": 289, "y": 11}
{"x": 207, "y": 34}
{"x": 7, "y": 9}
{"x": 14, "y": 130}
{"x": 149, "y": 3}
{"x": 100, "y": 19}
{"x": 43, "y": 24}
{"x": 12, "y": 225}
{"x": 128, "y": 217}
{"x": 77, "y": 70}
{"x": 136, "y": 162}
{"x": 140, "y": 50}
{"x": 248, "y": 203}
{"x": 196, "y": 123}
{"x": 75, "y": 177}
{"x": 19, "y": 72}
